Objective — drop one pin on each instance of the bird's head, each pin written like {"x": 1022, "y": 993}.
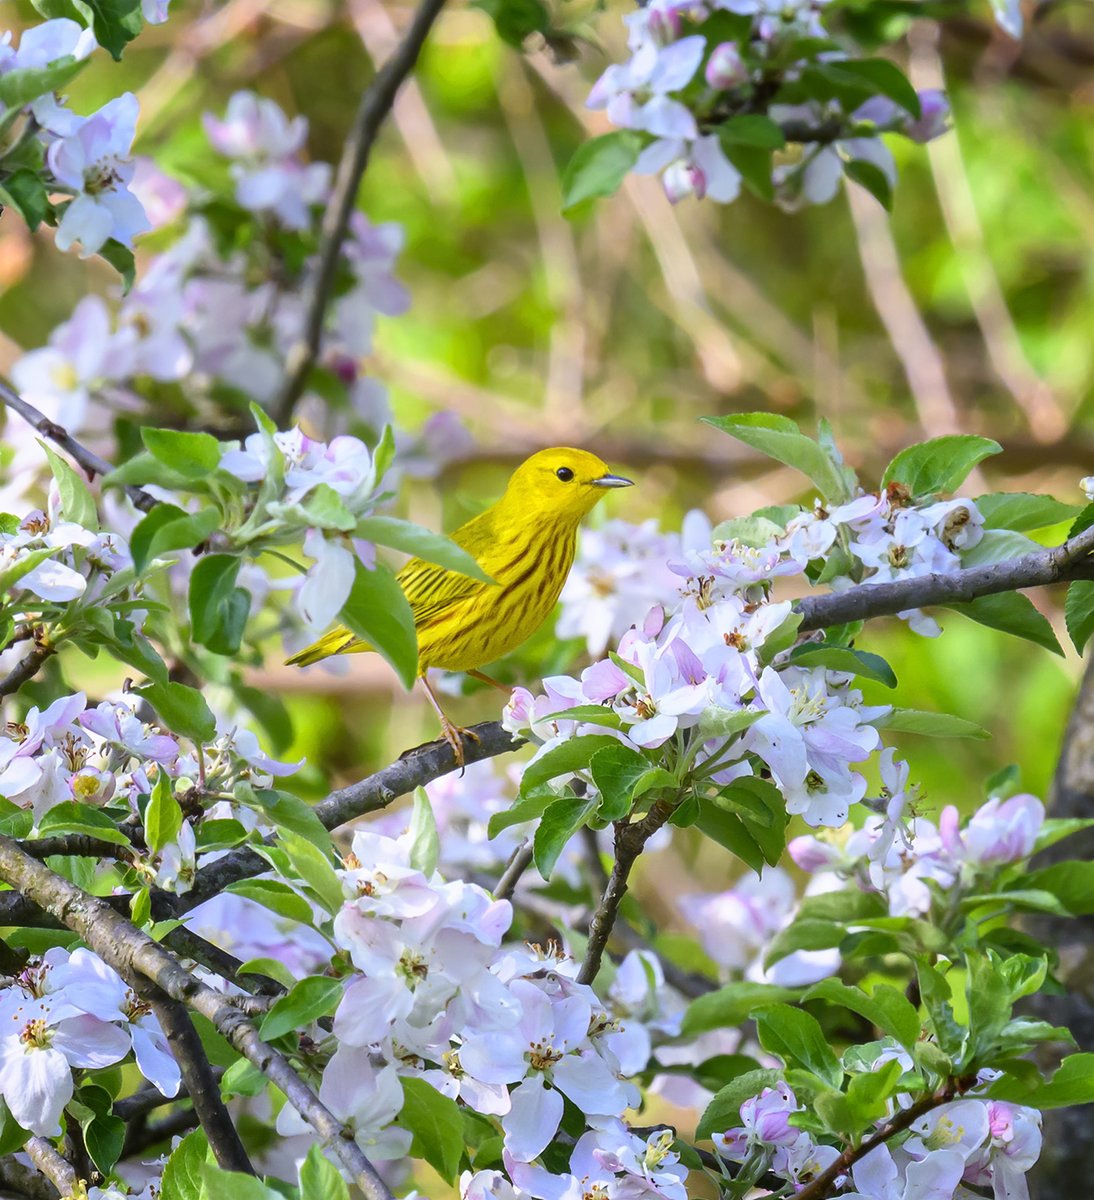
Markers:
{"x": 562, "y": 482}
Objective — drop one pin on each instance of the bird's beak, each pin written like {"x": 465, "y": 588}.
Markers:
{"x": 613, "y": 481}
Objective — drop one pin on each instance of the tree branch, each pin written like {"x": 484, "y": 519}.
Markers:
{"x": 56, "y": 1168}
{"x": 1072, "y": 560}
{"x": 133, "y": 954}
{"x": 201, "y": 1082}
{"x": 630, "y": 840}
{"x": 821, "y": 1187}
{"x": 22, "y": 1181}
{"x": 374, "y": 107}
{"x": 25, "y": 670}
{"x": 92, "y": 464}
{"x": 518, "y": 863}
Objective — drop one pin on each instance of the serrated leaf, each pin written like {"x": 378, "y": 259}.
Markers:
{"x": 182, "y": 709}
{"x": 615, "y": 771}
{"x": 182, "y": 1174}
{"x": 752, "y": 129}
{"x": 1079, "y": 612}
{"x": 1011, "y": 612}
{"x": 72, "y": 817}
{"x": 599, "y": 166}
{"x": 929, "y": 724}
{"x": 730, "y": 1005}
{"x": 798, "y": 1040}
{"x": 724, "y": 1110}
{"x": 24, "y": 84}
{"x": 162, "y": 816}
{"x": 781, "y": 439}
{"x": 218, "y": 609}
{"x": 421, "y": 542}
{"x": 314, "y": 997}
{"x": 870, "y": 176}
{"x": 191, "y": 454}
{"x": 436, "y": 1124}
{"x": 315, "y": 869}
{"x": 167, "y": 527}
{"x": 276, "y": 896}
{"x": 569, "y": 756}
{"x": 884, "y": 1007}
{"x": 320, "y": 1179}
{"x": 377, "y": 611}
{"x": 1022, "y": 511}
{"x": 425, "y": 842}
{"x": 939, "y": 465}
{"x": 560, "y": 821}
{"x": 77, "y": 503}
{"x": 1072, "y": 1083}
{"x": 845, "y": 659}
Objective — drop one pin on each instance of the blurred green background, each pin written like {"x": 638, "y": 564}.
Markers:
{"x": 971, "y": 312}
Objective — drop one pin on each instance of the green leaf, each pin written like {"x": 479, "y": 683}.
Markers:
{"x": 218, "y": 1184}
{"x": 752, "y": 129}
{"x": 998, "y": 545}
{"x": 163, "y": 816}
{"x": 218, "y": 609}
{"x": 1022, "y": 511}
{"x": 804, "y": 934}
{"x": 1055, "y": 829}
{"x": 425, "y": 842}
{"x": 77, "y": 503}
{"x": 1073, "y": 1083}
{"x": 929, "y": 724}
{"x": 749, "y": 531}
{"x": 25, "y": 191}
{"x": 276, "y": 896}
{"x": 846, "y": 659}
{"x": 870, "y": 176}
{"x": 762, "y": 810}
{"x": 781, "y": 439}
{"x": 560, "y": 821}
{"x": 798, "y": 1040}
{"x": 882, "y": 77}
{"x": 730, "y": 1005}
{"x": 516, "y": 20}
{"x": 194, "y": 455}
{"x": 593, "y": 714}
{"x": 728, "y": 830}
{"x": 182, "y": 709}
{"x": 122, "y": 260}
{"x": 869, "y": 1094}
{"x": 615, "y": 771}
{"x": 314, "y": 868}
{"x": 1012, "y": 613}
{"x": 24, "y": 84}
{"x": 436, "y": 1124}
{"x": 12, "y": 1135}
{"x": 325, "y": 510}
{"x": 724, "y": 1110}
{"x": 599, "y": 166}
{"x": 168, "y": 528}
{"x": 314, "y": 997}
{"x": 939, "y": 465}
{"x": 115, "y": 23}
{"x": 527, "y": 808}
{"x": 569, "y": 756}
{"x": 1079, "y": 612}
{"x": 754, "y": 165}
{"x": 1071, "y": 882}
{"x": 884, "y": 1007}
{"x": 377, "y": 612}
{"x": 23, "y": 565}
{"x": 72, "y": 817}
{"x": 289, "y": 812}
{"x": 320, "y": 1179}
{"x": 424, "y": 543}
{"x": 182, "y": 1174}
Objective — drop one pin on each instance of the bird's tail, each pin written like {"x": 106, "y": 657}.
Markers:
{"x": 337, "y": 641}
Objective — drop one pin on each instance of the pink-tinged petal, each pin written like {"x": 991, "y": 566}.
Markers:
{"x": 532, "y": 1121}
{"x": 370, "y": 1006}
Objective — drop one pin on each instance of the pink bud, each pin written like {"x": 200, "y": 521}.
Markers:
{"x": 725, "y": 68}
{"x": 682, "y": 179}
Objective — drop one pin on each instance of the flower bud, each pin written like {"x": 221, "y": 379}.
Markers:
{"x": 933, "y": 119}
{"x": 682, "y": 179}
{"x": 725, "y": 68}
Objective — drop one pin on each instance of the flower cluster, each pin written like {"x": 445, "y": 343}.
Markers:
{"x": 696, "y": 98}
{"x": 982, "y": 1143}
{"x": 64, "y": 1012}
{"x": 87, "y": 158}
{"x": 908, "y": 864}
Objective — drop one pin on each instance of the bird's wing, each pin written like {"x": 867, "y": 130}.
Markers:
{"x": 432, "y": 590}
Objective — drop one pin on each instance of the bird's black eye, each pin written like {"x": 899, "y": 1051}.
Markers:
{"x": 565, "y": 474}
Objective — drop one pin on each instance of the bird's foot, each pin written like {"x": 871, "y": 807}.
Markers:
{"x": 454, "y": 735}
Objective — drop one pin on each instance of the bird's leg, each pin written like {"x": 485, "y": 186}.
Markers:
{"x": 452, "y": 733}
{"x": 502, "y": 687}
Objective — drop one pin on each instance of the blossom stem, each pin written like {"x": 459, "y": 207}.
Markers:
{"x": 630, "y": 840}
{"x": 88, "y": 459}
{"x": 375, "y": 105}
{"x": 134, "y": 954}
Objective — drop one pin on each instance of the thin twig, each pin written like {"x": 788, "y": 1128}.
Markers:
{"x": 201, "y": 1082}
{"x": 514, "y": 869}
{"x": 821, "y": 1187}
{"x": 374, "y": 107}
{"x": 91, "y": 462}
{"x": 133, "y": 954}
{"x": 25, "y": 670}
{"x": 630, "y": 840}
{"x": 53, "y": 1165}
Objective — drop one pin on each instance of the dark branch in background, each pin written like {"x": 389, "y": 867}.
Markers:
{"x": 20, "y": 1180}
{"x": 630, "y": 841}
{"x": 374, "y": 107}
{"x": 25, "y": 669}
{"x": 133, "y": 954}
{"x": 518, "y": 863}
{"x": 1073, "y": 560}
{"x": 91, "y": 462}
{"x": 201, "y": 1081}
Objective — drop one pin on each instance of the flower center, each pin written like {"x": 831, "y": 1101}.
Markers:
{"x": 413, "y": 968}
{"x": 36, "y": 1034}
{"x": 542, "y": 1054}
{"x": 102, "y": 177}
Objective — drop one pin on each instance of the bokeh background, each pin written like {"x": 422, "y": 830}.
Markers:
{"x": 972, "y": 311}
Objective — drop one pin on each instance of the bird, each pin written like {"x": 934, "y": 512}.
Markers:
{"x": 525, "y": 542}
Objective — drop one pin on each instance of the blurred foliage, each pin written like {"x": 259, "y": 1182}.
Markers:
{"x": 618, "y": 329}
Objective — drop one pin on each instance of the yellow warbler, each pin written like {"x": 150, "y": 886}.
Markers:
{"x": 525, "y": 543}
